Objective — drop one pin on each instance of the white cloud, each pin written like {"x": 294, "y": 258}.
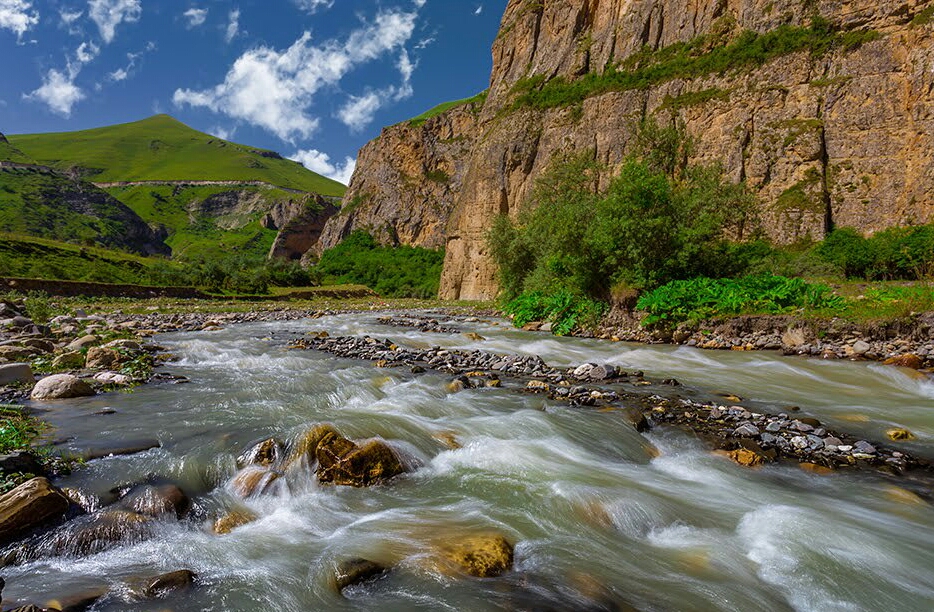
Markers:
{"x": 195, "y": 17}
{"x": 122, "y": 74}
{"x": 313, "y": 5}
{"x": 233, "y": 25}
{"x": 69, "y": 17}
{"x": 275, "y": 89}
{"x": 359, "y": 111}
{"x": 479, "y": 10}
{"x": 58, "y": 92}
{"x": 108, "y": 14}
{"x": 319, "y": 162}
{"x": 222, "y": 132}
{"x": 17, "y": 16}
{"x": 86, "y": 52}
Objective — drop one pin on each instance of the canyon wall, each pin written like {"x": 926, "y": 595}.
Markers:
{"x": 840, "y": 137}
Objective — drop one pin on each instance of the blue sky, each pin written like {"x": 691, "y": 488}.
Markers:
{"x": 312, "y": 79}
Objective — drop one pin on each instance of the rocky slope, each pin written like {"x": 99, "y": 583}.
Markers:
{"x": 840, "y": 136}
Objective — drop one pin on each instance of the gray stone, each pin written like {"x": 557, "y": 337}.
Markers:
{"x": 864, "y": 447}
{"x": 82, "y": 342}
{"x": 584, "y": 370}
{"x": 746, "y": 430}
{"x": 861, "y": 347}
{"x": 800, "y": 442}
{"x": 767, "y": 438}
{"x": 833, "y": 441}
{"x": 774, "y": 426}
{"x": 804, "y": 427}
{"x": 16, "y": 373}
{"x": 61, "y": 386}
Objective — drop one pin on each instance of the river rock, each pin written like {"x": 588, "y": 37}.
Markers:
{"x": 253, "y": 480}
{"x": 82, "y": 342}
{"x": 900, "y": 434}
{"x": 24, "y": 462}
{"x": 31, "y": 505}
{"x": 342, "y": 462}
{"x": 173, "y": 581}
{"x": 100, "y": 358}
{"x": 113, "y": 378}
{"x": 475, "y": 337}
{"x": 747, "y": 457}
{"x": 16, "y": 353}
{"x": 861, "y": 347}
{"x": 16, "y": 373}
{"x": 746, "y": 430}
{"x": 306, "y": 445}
{"x": 355, "y": 571}
{"x": 60, "y": 386}
{"x": 908, "y": 360}
{"x": 70, "y": 360}
{"x": 263, "y": 453}
{"x": 77, "y": 602}
{"x": 156, "y": 500}
{"x": 864, "y": 447}
{"x": 483, "y": 556}
{"x": 96, "y": 533}
{"x": 232, "y": 520}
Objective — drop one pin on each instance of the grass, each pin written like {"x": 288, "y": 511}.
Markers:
{"x": 161, "y": 148}
{"x": 193, "y": 235}
{"x": 478, "y": 99}
{"x": 17, "y": 431}
{"x": 10, "y": 153}
{"x": 29, "y": 257}
{"x": 689, "y": 60}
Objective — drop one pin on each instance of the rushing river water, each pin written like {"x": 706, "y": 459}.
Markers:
{"x": 598, "y": 512}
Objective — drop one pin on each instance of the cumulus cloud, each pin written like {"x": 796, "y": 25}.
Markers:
{"x": 108, "y": 14}
{"x": 479, "y": 10}
{"x": 233, "y": 25}
{"x": 195, "y": 17}
{"x": 222, "y": 132}
{"x": 86, "y": 53}
{"x": 358, "y": 111}
{"x": 17, "y": 16}
{"x": 275, "y": 89}
{"x": 313, "y": 5}
{"x": 122, "y": 74}
{"x": 58, "y": 92}
{"x": 319, "y": 162}
{"x": 69, "y": 17}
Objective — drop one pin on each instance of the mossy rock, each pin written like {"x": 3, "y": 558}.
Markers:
{"x": 483, "y": 556}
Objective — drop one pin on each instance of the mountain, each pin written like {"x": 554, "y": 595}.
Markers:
{"x": 823, "y": 107}
{"x": 209, "y": 196}
{"x": 162, "y": 148}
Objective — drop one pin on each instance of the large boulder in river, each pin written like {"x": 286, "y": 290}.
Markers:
{"x": 156, "y": 500}
{"x": 342, "y": 462}
{"x": 307, "y": 444}
{"x": 263, "y": 453}
{"x": 31, "y": 505}
{"x": 61, "y": 386}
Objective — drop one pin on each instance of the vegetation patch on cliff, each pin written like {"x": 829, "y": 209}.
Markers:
{"x": 688, "y": 60}
{"x": 478, "y": 100}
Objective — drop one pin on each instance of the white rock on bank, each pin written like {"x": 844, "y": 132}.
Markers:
{"x": 61, "y": 386}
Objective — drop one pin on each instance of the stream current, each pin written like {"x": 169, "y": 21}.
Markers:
{"x": 598, "y": 512}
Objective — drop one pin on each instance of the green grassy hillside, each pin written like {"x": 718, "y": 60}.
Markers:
{"x": 52, "y": 206}
{"x": 161, "y": 148}
{"x": 10, "y": 153}
{"x": 195, "y": 233}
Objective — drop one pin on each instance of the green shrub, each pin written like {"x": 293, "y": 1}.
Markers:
{"x": 905, "y": 253}
{"x": 702, "y": 298}
{"x": 391, "y": 272}
{"x": 563, "y": 309}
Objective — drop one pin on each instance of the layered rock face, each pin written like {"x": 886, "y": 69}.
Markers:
{"x": 842, "y": 138}
{"x": 406, "y": 181}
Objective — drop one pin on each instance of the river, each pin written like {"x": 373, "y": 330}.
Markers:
{"x": 598, "y": 512}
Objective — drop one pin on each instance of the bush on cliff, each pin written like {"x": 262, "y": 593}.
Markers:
{"x": 390, "y": 271}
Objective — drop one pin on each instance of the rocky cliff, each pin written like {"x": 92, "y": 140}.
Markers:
{"x": 832, "y": 123}
{"x": 406, "y": 181}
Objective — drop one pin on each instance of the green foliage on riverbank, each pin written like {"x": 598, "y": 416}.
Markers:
{"x": 17, "y": 431}
{"x": 713, "y": 53}
{"x": 702, "y": 298}
{"x": 389, "y": 271}
{"x": 564, "y": 310}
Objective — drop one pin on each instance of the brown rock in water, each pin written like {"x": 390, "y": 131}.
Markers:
{"x": 307, "y": 444}
{"x": 31, "y": 505}
{"x": 483, "y": 556}
{"x": 900, "y": 434}
{"x": 815, "y": 468}
{"x": 264, "y": 453}
{"x": 355, "y": 571}
{"x": 156, "y": 500}
{"x": 253, "y": 480}
{"x": 77, "y": 602}
{"x": 173, "y": 581}
{"x": 909, "y": 360}
{"x": 746, "y": 457}
{"x": 71, "y": 360}
{"x": 341, "y": 462}
{"x": 232, "y": 520}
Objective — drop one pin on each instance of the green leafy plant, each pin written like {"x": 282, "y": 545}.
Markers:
{"x": 563, "y": 309}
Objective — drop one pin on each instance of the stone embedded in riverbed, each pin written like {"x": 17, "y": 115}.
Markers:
{"x": 483, "y": 556}
{"x": 172, "y": 581}
{"x": 355, "y": 571}
{"x": 342, "y": 462}
{"x": 265, "y": 453}
{"x": 232, "y": 520}
{"x": 156, "y": 500}
{"x": 61, "y": 386}
{"x": 29, "y": 506}
{"x": 253, "y": 480}
{"x": 16, "y": 373}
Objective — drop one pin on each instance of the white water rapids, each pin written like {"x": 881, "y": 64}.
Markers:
{"x": 598, "y": 518}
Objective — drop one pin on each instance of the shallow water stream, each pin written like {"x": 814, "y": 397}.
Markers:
{"x": 596, "y": 516}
